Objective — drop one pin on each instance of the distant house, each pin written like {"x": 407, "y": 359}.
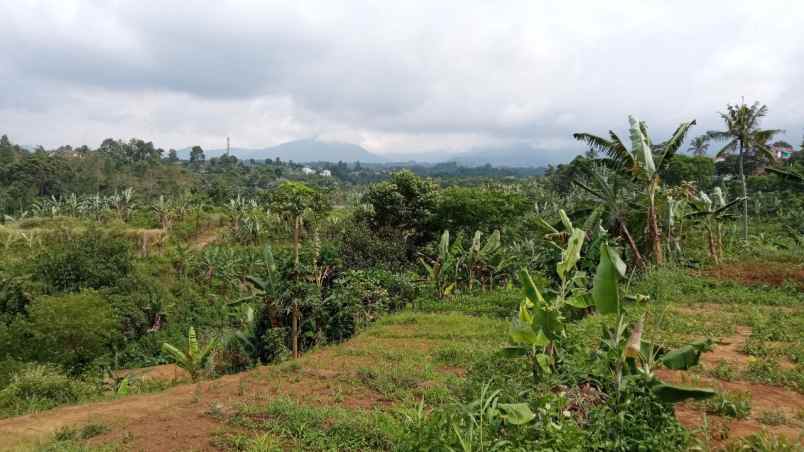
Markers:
{"x": 782, "y": 151}
{"x": 325, "y": 173}
{"x": 308, "y": 171}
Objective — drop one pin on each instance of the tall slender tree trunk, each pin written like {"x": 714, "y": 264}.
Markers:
{"x": 745, "y": 194}
{"x": 653, "y": 226}
{"x": 631, "y": 244}
{"x": 296, "y": 238}
{"x": 295, "y": 329}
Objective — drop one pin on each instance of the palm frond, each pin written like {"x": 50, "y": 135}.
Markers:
{"x": 727, "y": 149}
{"x": 674, "y": 144}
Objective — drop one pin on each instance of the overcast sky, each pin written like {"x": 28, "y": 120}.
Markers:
{"x": 395, "y": 76}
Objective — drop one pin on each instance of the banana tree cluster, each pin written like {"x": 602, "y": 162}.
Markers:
{"x": 540, "y": 322}
{"x": 246, "y": 219}
{"x": 711, "y": 214}
{"x": 539, "y": 326}
{"x": 479, "y": 265}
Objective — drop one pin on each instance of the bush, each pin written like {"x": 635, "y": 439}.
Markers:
{"x": 384, "y": 247}
{"x": 71, "y": 330}
{"x": 360, "y": 296}
{"x": 41, "y": 387}
{"x": 90, "y": 261}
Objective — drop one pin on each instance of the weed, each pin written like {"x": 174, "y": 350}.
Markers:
{"x": 772, "y": 417}
{"x": 736, "y": 405}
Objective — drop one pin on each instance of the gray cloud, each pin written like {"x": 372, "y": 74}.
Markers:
{"x": 394, "y": 77}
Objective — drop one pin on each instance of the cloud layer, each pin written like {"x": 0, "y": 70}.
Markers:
{"x": 391, "y": 76}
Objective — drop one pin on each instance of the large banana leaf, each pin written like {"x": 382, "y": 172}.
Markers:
{"x": 529, "y": 287}
{"x": 604, "y": 289}
{"x": 192, "y": 343}
{"x": 673, "y": 394}
{"x": 687, "y": 356}
{"x": 515, "y": 413}
{"x": 572, "y": 254}
{"x": 492, "y": 244}
{"x": 443, "y": 246}
{"x": 177, "y": 354}
{"x": 640, "y": 147}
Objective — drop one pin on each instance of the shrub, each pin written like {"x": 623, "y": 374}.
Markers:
{"x": 90, "y": 261}
{"x": 71, "y": 330}
{"x": 358, "y": 298}
{"x": 385, "y": 247}
{"x": 41, "y": 387}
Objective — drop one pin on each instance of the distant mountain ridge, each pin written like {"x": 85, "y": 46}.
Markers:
{"x": 312, "y": 150}
{"x": 299, "y": 151}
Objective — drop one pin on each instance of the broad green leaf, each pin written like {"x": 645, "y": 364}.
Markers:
{"x": 523, "y": 333}
{"x": 687, "y": 356}
{"x": 531, "y": 291}
{"x": 516, "y": 413}
{"x": 192, "y": 342}
{"x": 544, "y": 363}
{"x": 548, "y": 321}
{"x": 443, "y": 247}
{"x": 640, "y": 147}
{"x": 565, "y": 220}
{"x": 604, "y": 288}
{"x": 581, "y": 302}
{"x": 572, "y": 254}
{"x": 492, "y": 243}
{"x": 673, "y": 394}
{"x": 619, "y": 264}
{"x": 177, "y": 354}
{"x": 448, "y": 290}
{"x": 524, "y": 314}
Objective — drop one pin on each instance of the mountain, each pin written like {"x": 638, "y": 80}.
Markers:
{"x": 515, "y": 155}
{"x": 299, "y": 151}
{"x": 311, "y": 150}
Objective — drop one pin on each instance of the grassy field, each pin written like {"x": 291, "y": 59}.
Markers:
{"x": 380, "y": 390}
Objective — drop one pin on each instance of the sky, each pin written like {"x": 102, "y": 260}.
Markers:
{"x": 393, "y": 77}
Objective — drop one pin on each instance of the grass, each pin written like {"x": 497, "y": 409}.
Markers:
{"x": 736, "y": 405}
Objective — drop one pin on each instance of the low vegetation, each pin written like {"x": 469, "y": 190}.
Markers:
{"x": 633, "y": 299}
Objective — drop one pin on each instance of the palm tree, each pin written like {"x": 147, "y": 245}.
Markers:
{"x": 743, "y": 134}
{"x": 639, "y": 163}
{"x": 699, "y": 145}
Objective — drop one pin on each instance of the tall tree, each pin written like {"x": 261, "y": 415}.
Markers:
{"x": 699, "y": 145}
{"x": 639, "y": 163}
{"x": 292, "y": 200}
{"x": 197, "y": 155}
{"x": 743, "y": 134}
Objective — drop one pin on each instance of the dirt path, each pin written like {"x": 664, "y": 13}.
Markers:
{"x": 180, "y": 418}
{"x": 764, "y": 398}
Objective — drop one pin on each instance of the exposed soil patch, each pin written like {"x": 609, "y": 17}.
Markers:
{"x": 185, "y": 417}
{"x": 764, "y": 398}
{"x": 759, "y": 273}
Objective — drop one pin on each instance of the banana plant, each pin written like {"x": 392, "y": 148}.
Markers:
{"x": 712, "y": 213}
{"x": 164, "y": 212}
{"x": 639, "y": 163}
{"x": 195, "y": 359}
{"x": 632, "y": 358}
{"x": 484, "y": 258}
{"x": 539, "y": 322}
{"x": 441, "y": 271}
